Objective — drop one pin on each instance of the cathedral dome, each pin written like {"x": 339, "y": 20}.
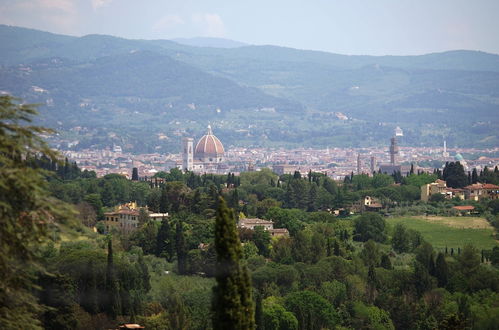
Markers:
{"x": 209, "y": 148}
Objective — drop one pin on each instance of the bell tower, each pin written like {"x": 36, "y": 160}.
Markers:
{"x": 187, "y": 154}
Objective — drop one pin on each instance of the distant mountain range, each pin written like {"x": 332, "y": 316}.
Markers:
{"x": 146, "y": 94}
{"x": 210, "y": 42}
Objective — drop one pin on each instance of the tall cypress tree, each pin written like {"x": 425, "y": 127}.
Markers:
{"x": 232, "y": 303}
{"x": 164, "y": 241}
{"x": 89, "y": 298}
{"x": 259, "y": 311}
{"x": 474, "y": 176}
{"x": 135, "y": 174}
{"x": 441, "y": 270}
{"x": 181, "y": 249}
{"x": 113, "y": 306}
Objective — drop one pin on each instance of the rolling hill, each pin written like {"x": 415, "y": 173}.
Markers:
{"x": 254, "y": 95}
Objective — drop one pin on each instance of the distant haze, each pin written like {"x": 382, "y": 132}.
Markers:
{"x": 210, "y": 42}
{"x": 374, "y": 27}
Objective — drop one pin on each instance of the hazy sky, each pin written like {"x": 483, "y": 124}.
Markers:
{"x": 374, "y": 27}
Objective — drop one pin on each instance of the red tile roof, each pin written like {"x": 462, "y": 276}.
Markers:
{"x": 464, "y": 208}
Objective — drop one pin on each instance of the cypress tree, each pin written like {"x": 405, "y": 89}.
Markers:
{"x": 474, "y": 176}
{"x": 441, "y": 270}
{"x": 163, "y": 201}
{"x": 232, "y": 303}
{"x": 89, "y": 299}
{"x": 164, "y": 242}
{"x": 135, "y": 174}
{"x": 113, "y": 306}
{"x": 144, "y": 274}
{"x": 336, "y": 248}
{"x": 386, "y": 262}
{"x": 181, "y": 249}
{"x": 371, "y": 283}
{"x": 259, "y": 312}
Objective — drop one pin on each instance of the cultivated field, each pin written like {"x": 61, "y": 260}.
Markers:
{"x": 452, "y": 232}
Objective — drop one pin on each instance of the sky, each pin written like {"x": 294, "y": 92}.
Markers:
{"x": 369, "y": 27}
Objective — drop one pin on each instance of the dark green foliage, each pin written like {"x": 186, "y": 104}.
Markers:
{"x": 58, "y": 295}
{"x": 164, "y": 240}
{"x": 261, "y": 238}
{"x": 426, "y": 257}
{"x": 259, "y": 325}
{"x": 113, "y": 300}
{"x": 400, "y": 239}
{"x": 371, "y": 254}
{"x": 454, "y": 175}
{"x": 181, "y": 248}
{"x": 422, "y": 280}
{"x": 90, "y": 295}
{"x": 232, "y": 303}
{"x": 146, "y": 237}
{"x": 311, "y": 310}
{"x": 469, "y": 260}
{"x": 370, "y": 226}
{"x": 441, "y": 270}
{"x": 27, "y": 210}
{"x": 386, "y": 262}
{"x": 275, "y": 316}
{"x": 135, "y": 174}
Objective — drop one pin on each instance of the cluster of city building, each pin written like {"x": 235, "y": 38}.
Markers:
{"x": 209, "y": 155}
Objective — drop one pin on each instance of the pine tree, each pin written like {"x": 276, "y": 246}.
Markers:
{"x": 181, "y": 249}
{"x": 232, "y": 304}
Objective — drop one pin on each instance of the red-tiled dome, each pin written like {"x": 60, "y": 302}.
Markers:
{"x": 209, "y": 146}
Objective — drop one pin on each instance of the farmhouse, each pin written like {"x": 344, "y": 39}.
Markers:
{"x": 251, "y": 223}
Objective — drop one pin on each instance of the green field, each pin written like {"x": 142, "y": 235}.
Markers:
{"x": 452, "y": 232}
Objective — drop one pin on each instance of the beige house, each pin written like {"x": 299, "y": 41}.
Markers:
{"x": 251, "y": 223}
{"x": 125, "y": 217}
{"x": 437, "y": 187}
{"x": 479, "y": 191}
{"x": 476, "y": 191}
{"x": 125, "y": 220}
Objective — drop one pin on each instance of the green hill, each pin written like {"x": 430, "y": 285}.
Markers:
{"x": 99, "y": 81}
